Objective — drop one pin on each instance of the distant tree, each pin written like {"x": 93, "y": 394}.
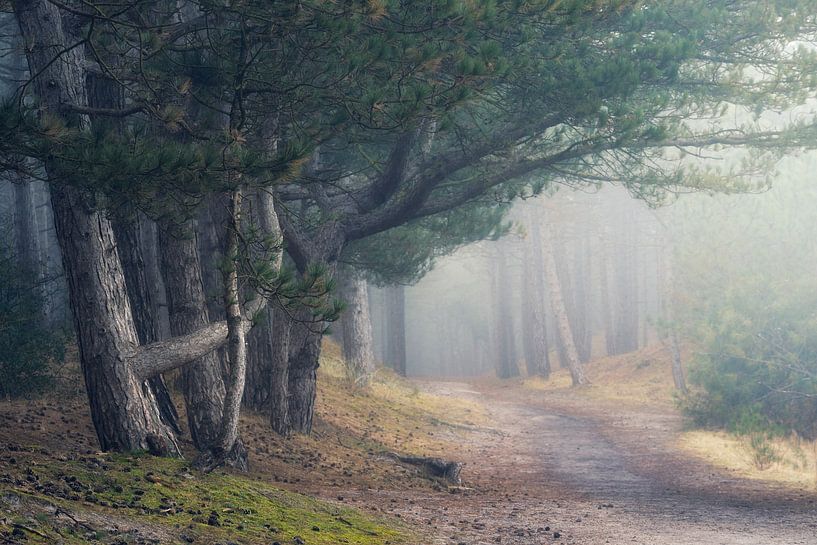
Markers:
{"x": 30, "y": 352}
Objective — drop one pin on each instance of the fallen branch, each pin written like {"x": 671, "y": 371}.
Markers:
{"x": 435, "y": 467}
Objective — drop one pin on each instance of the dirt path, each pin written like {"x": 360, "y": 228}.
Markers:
{"x": 562, "y": 473}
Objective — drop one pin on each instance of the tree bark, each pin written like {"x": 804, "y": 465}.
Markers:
{"x": 124, "y": 412}
{"x": 229, "y": 449}
{"x": 140, "y": 295}
{"x": 304, "y": 353}
{"x": 395, "y": 301}
{"x": 279, "y": 371}
{"x": 202, "y": 382}
{"x": 262, "y": 339}
{"x": 560, "y": 312}
{"x": 356, "y": 327}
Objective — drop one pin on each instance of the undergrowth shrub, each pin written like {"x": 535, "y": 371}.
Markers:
{"x": 29, "y": 351}
{"x": 757, "y": 371}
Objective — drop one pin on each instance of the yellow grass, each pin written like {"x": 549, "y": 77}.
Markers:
{"x": 639, "y": 378}
{"x": 392, "y": 411}
{"x": 644, "y": 378}
{"x": 796, "y": 464}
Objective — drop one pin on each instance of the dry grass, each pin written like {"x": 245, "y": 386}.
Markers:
{"x": 644, "y": 378}
{"x": 638, "y": 378}
{"x": 392, "y": 412}
{"x": 795, "y": 465}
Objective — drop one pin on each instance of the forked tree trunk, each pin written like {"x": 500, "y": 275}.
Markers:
{"x": 560, "y": 312}
{"x": 202, "y": 383}
{"x": 395, "y": 331}
{"x": 356, "y": 327}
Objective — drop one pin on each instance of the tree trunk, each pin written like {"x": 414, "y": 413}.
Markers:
{"x": 202, "y": 382}
{"x": 279, "y": 371}
{"x": 671, "y": 335}
{"x": 25, "y": 241}
{"x": 606, "y": 303}
{"x": 625, "y": 309}
{"x": 262, "y": 339}
{"x": 356, "y": 327}
{"x": 124, "y": 412}
{"x": 259, "y": 363}
{"x": 55, "y": 289}
{"x": 395, "y": 302}
{"x": 560, "y": 312}
{"x": 534, "y": 294}
{"x": 304, "y": 353}
{"x": 229, "y": 449}
{"x": 209, "y": 227}
{"x": 140, "y": 295}
{"x": 506, "y": 366}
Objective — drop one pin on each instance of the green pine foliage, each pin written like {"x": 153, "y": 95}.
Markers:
{"x": 750, "y": 299}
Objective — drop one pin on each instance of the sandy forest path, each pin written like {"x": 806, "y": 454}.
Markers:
{"x": 565, "y": 470}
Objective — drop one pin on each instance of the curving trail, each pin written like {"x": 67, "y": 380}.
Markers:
{"x": 597, "y": 475}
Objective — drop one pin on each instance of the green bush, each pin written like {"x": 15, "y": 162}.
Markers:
{"x": 29, "y": 351}
{"x": 757, "y": 372}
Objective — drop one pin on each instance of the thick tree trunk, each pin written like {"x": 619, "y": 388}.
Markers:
{"x": 304, "y": 353}
{"x": 279, "y": 371}
{"x": 140, "y": 295}
{"x": 356, "y": 327}
{"x": 259, "y": 362}
{"x": 395, "y": 302}
{"x": 560, "y": 312}
{"x": 124, "y": 412}
{"x": 201, "y": 380}
{"x": 209, "y": 228}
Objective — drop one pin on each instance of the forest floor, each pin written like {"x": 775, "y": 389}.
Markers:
{"x": 544, "y": 463}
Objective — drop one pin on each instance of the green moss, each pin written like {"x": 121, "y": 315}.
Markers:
{"x": 169, "y": 496}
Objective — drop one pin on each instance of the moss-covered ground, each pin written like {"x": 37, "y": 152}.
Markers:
{"x": 56, "y": 488}
{"x": 121, "y": 499}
